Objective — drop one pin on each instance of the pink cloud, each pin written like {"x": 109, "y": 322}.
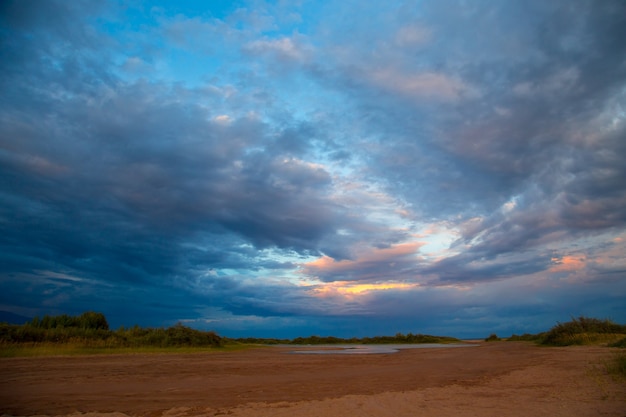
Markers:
{"x": 568, "y": 263}
{"x": 423, "y": 85}
{"x": 370, "y": 264}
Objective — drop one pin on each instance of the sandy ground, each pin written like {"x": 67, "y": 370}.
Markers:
{"x": 494, "y": 379}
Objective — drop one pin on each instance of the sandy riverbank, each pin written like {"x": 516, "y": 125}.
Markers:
{"x": 495, "y": 379}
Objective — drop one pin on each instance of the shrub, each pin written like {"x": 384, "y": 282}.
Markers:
{"x": 180, "y": 335}
{"x": 620, "y": 343}
{"x": 91, "y": 329}
{"x": 526, "y": 337}
{"x": 617, "y": 365}
{"x": 492, "y": 338}
{"x": 582, "y": 331}
{"x": 87, "y": 320}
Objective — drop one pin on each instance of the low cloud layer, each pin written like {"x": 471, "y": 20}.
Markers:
{"x": 273, "y": 169}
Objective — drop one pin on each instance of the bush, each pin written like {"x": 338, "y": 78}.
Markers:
{"x": 620, "y": 343}
{"x": 175, "y": 336}
{"x": 87, "y": 320}
{"x": 91, "y": 329}
{"x": 617, "y": 365}
{"x": 526, "y": 337}
{"x": 582, "y": 331}
{"x": 180, "y": 335}
{"x": 492, "y": 338}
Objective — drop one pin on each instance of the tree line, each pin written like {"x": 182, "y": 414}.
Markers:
{"x": 399, "y": 338}
{"x": 91, "y": 329}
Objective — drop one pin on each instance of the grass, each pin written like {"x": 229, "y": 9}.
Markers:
{"x": 588, "y": 338}
{"x": 526, "y": 337}
{"x": 616, "y": 365}
{"x": 620, "y": 343}
{"x": 14, "y": 350}
{"x": 89, "y": 333}
{"x": 84, "y": 334}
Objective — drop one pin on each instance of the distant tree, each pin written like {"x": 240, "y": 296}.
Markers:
{"x": 93, "y": 320}
{"x": 87, "y": 320}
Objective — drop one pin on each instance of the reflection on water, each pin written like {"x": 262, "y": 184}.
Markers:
{"x": 371, "y": 349}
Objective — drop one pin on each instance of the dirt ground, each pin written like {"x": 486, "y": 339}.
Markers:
{"x": 493, "y": 379}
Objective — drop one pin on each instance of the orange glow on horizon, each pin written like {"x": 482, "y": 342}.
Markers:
{"x": 346, "y": 288}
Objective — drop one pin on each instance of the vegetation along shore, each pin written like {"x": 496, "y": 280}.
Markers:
{"x": 89, "y": 333}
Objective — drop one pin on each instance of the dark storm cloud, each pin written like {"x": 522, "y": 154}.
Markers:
{"x": 535, "y": 125}
{"x": 532, "y": 80}
{"x": 108, "y": 183}
{"x": 137, "y": 181}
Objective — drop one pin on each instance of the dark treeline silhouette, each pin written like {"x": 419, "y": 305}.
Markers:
{"x": 91, "y": 329}
{"x": 87, "y": 320}
{"x": 330, "y": 340}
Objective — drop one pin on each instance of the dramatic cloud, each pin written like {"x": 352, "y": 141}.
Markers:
{"x": 349, "y": 169}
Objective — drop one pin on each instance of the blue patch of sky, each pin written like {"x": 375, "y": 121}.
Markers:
{"x": 218, "y": 9}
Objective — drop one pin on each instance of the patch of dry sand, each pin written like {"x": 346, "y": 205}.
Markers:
{"x": 495, "y": 379}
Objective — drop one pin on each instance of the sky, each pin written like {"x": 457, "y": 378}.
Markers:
{"x": 289, "y": 168}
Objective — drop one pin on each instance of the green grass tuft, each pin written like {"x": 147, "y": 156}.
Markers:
{"x": 616, "y": 366}
{"x": 620, "y": 343}
{"x": 527, "y": 337}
